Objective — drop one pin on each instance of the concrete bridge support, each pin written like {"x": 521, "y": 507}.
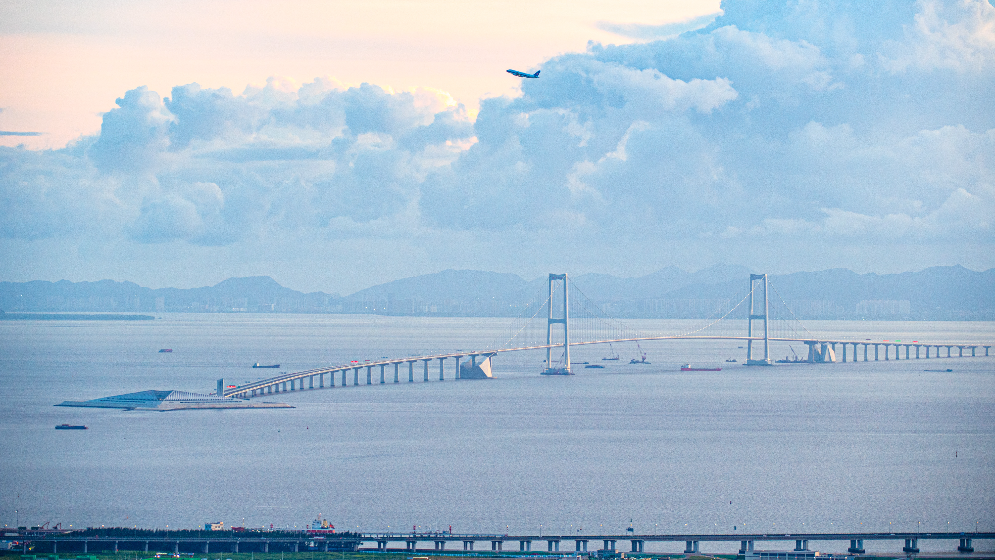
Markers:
{"x": 369, "y": 375}
{"x": 844, "y": 352}
{"x": 525, "y": 546}
{"x": 907, "y": 351}
{"x": 986, "y": 350}
{"x": 426, "y": 369}
{"x": 440, "y": 545}
{"x": 410, "y": 546}
{"x": 382, "y": 367}
{"x": 801, "y": 545}
{"x": 411, "y": 372}
{"x": 321, "y": 380}
{"x": 745, "y": 546}
{"x": 442, "y": 377}
{"x": 311, "y": 382}
{"x": 176, "y": 548}
{"x": 266, "y": 547}
{"x": 115, "y": 547}
{"x": 637, "y": 545}
{"x": 344, "y": 373}
{"x": 355, "y": 377}
{"x": 467, "y": 545}
{"x": 495, "y": 545}
{"x": 965, "y": 546}
{"x": 691, "y": 548}
{"x": 397, "y": 366}
{"x": 865, "y": 352}
{"x": 609, "y": 545}
{"x": 856, "y": 546}
{"x": 581, "y": 545}
{"x": 207, "y": 549}
{"x": 911, "y": 546}
{"x": 875, "y": 352}
{"x": 553, "y": 545}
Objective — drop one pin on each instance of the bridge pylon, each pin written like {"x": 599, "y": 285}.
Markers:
{"x": 756, "y": 315}
{"x": 565, "y": 321}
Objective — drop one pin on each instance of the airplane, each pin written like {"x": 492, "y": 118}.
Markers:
{"x": 523, "y": 74}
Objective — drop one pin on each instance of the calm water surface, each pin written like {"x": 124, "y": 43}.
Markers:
{"x": 882, "y": 446}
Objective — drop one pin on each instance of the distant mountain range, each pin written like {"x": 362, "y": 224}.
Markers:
{"x": 939, "y": 293}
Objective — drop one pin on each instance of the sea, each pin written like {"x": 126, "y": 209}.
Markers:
{"x": 868, "y": 446}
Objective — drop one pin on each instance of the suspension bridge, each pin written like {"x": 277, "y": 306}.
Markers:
{"x": 767, "y": 319}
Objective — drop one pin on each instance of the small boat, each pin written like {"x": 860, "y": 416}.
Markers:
{"x": 70, "y": 427}
{"x": 165, "y": 350}
{"x": 257, "y": 365}
{"x": 595, "y": 366}
{"x": 687, "y": 367}
{"x": 939, "y": 370}
{"x": 731, "y": 360}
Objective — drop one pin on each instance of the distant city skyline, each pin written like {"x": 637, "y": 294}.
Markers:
{"x": 781, "y": 137}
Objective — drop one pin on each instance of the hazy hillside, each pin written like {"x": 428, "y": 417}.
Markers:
{"x": 939, "y": 293}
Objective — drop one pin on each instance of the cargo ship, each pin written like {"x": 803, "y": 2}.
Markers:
{"x": 687, "y": 367}
{"x": 70, "y": 427}
{"x": 257, "y": 365}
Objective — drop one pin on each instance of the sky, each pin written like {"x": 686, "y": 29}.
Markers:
{"x": 334, "y": 146}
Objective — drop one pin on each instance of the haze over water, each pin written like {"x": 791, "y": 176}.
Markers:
{"x": 882, "y": 446}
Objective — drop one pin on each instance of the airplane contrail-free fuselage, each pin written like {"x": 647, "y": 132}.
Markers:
{"x": 523, "y": 74}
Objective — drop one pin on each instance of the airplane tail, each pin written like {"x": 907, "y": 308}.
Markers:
{"x": 536, "y": 74}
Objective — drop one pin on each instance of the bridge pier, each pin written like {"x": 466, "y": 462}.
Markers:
{"x": 886, "y": 346}
{"x": 911, "y": 546}
{"x": 844, "y": 352}
{"x": 207, "y": 545}
{"x": 875, "y": 352}
{"x": 496, "y": 545}
{"x": 266, "y": 547}
{"x": 440, "y": 545}
{"x": 525, "y": 546}
{"x": 801, "y": 545}
{"x": 961, "y": 348}
{"x": 965, "y": 546}
{"x": 745, "y": 546}
{"x": 609, "y": 545}
{"x": 411, "y": 372}
{"x": 344, "y": 373}
{"x": 637, "y": 545}
{"x": 856, "y": 546}
{"x": 397, "y": 365}
{"x": 369, "y": 375}
{"x": 467, "y": 545}
{"x": 581, "y": 545}
{"x": 146, "y": 546}
{"x": 554, "y": 545}
{"x": 176, "y": 548}
{"x": 691, "y": 548}
{"x": 115, "y": 547}
{"x": 426, "y": 369}
{"x": 986, "y": 350}
{"x": 355, "y": 377}
{"x": 907, "y": 350}
{"x": 321, "y": 380}
{"x": 382, "y": 367}
{"x": 865, "y": 352}
{"x": 441, "y": 371}
{"x": 311, "y": 382}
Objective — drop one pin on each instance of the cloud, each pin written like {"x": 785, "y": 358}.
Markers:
{"x": 12, "y": 133}
{"x": 664, "y": 31}
{"x": 784, "y": 123}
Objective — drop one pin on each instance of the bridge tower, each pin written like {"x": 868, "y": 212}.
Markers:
{"x": 565, "y": 321}
{"x": 756, "y": 315}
